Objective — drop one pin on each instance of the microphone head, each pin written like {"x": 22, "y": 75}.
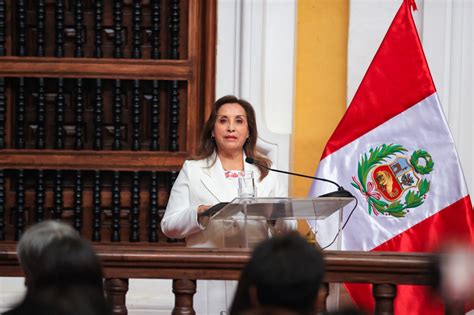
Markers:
{"x": 338, "y": 193}
{"x": 249, "y": 160}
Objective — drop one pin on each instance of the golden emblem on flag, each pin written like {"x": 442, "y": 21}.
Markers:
{"x": 391, "y": 182}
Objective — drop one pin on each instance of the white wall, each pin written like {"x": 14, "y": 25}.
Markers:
{"x": 12, "y": 291}
{"x": 255, "y": 61}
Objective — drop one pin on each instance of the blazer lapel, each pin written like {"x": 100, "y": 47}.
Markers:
{"x": 215, "y": 182}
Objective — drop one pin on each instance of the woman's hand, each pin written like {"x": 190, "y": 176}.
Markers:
{"x": 203, "y": 220}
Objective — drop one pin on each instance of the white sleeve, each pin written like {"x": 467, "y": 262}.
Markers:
{"x": 180, "y": 219}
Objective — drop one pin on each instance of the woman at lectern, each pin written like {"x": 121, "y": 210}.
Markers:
{"x": 229, "y": 136}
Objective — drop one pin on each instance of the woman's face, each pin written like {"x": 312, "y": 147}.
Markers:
{"x": 231, "y": 128}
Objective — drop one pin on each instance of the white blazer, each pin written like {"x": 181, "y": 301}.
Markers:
{"x": 200, "y": 183}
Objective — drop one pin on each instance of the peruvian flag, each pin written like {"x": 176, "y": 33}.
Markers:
{"x": 394, "y": 152}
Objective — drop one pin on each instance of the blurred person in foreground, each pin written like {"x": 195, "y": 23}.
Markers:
{"x": 284, "y": 272}
{"x": 63, "y": 273}
{"x": 33, "y": 242}
{"x": 268, "y": 311}
{"x": 454, "y": 276}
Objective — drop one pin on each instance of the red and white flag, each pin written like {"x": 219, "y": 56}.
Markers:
{"x": 394, "y": 152}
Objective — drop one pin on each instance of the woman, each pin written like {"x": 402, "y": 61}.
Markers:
{"x": 229, "y": 136}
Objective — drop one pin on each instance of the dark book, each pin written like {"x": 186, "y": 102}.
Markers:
{"x": 212, "y": 210}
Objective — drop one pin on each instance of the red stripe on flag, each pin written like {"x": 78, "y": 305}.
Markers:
{"x": 397, "y": 79}
{"x": 453, "y": 223}
{"x": 425, "y": 236}
{"x": 411, "y": 299}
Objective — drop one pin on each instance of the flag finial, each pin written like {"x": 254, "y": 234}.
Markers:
{"x": 411, "y": 3}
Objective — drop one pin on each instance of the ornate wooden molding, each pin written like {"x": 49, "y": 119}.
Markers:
{"x": 90, "y": 160}
{"x": 104, "y": 68}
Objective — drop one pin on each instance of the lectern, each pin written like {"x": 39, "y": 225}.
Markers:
{"x": 244, "y": 222}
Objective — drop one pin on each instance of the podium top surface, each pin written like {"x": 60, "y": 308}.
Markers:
{"x": 318, "y": 208}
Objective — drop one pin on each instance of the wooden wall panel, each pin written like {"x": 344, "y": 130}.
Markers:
{"x": 100, "y": 104}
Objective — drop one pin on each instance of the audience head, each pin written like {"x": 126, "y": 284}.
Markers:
{"x": 64, "y": 275}
{"x": 268, "y": 311}
{"x": 347, "y": 311}
{"x": 285, "y": 272}
{"x": 66, "y": 279}
{"x": 35, "y": 239}
{"x": 454, "y": 273}
{"x": 68, "y": 261}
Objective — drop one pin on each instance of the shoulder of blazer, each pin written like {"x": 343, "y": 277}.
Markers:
{"x": 197, "y": 163}
{"x": 201, "y": 165}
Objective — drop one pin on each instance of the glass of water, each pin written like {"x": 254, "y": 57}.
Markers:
{"x": 247, "y": 187}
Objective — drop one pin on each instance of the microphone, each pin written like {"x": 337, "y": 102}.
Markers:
{"x": 340, "y": 192}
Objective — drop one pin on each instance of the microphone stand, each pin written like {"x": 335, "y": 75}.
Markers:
{"x": 340, "y": 192}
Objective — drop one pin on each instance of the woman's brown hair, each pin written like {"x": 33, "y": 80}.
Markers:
{"x": 208, "y": 145}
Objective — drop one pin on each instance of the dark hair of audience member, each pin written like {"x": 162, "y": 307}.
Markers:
{"x": 35, "y": 239}
{"x": 346, "y": 311}
{"x": 67, "y": 280}
{"x": 268, "y": 311}
{"x": 68, "y": 261}
{"x": 65, "y": 300}
{"x": 284, "y": 272}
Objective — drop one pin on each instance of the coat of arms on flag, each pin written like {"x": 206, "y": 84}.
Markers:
{"x": 391, "y": 182}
